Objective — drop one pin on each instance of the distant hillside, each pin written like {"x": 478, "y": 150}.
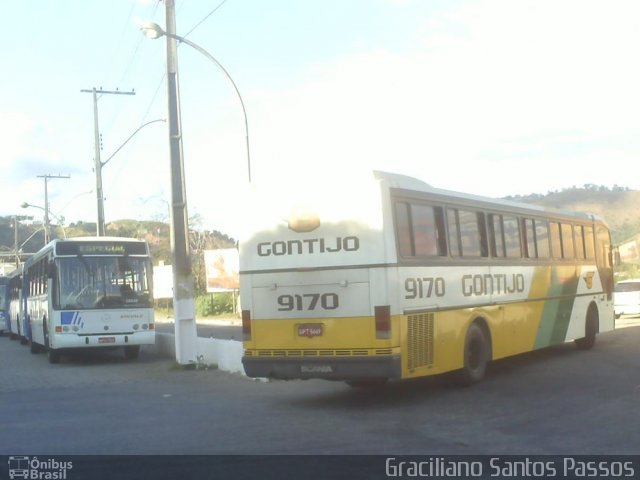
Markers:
{"x": 619, "y": 206}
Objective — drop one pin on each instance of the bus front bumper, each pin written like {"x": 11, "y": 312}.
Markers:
{"x": 70, "y": 340}
{"x": 333, "y": 368}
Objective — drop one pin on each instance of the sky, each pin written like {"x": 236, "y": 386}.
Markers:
{"x": 491, "y": 97}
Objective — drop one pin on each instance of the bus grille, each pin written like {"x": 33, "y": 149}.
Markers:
{"x": 420, "y": 340}
{"x": 319, "y": 353}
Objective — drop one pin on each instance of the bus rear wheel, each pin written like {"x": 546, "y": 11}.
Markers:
{"x": 476, "y": 356}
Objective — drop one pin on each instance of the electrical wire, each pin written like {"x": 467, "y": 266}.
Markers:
{"x": 205, "y": 18}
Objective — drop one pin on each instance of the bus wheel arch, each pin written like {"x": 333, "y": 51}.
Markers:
{"x": 591, "y": 328}
{"x": 477, "y": 352}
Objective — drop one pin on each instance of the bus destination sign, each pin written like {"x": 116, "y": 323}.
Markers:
{"x": 101, "y": 248}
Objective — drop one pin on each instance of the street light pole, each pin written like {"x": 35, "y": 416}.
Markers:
{"x": 153, "y": 30}
{"x": 46, "y": 177}
{"x": 183, "y": 301}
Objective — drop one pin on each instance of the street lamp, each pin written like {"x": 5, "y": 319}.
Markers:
{"x": 153, "y": 30}
{"x": 47, "y": 212}
{"x": 99, "y": 166}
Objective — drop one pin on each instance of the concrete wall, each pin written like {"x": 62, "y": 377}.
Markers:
{"x": 226, "y": 354}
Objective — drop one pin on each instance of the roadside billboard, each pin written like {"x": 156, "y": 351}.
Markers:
{"x": 222, "y": 268}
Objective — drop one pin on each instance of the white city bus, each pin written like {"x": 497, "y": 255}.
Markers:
{"x": 89, "y": 292}
{"x": 397, "y": 279}
{"x": 15, "y": 310}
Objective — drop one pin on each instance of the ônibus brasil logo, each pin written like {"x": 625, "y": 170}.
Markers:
{"x": 38, "y": 469}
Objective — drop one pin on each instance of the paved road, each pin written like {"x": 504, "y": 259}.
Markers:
{"x": 559, "y": 400}
{"x": 226, "y": 329}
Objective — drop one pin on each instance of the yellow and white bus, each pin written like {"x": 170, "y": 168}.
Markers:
{"x": 397, "y": 280}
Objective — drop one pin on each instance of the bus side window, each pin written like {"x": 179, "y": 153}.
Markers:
{"x": 472, "y": 233}
{"x": 512, "y": 237}
{"x": 568, "y": 249}
{"x": 542, "y": 239}
{"x": 403, "y": 229}
{"x": 425, "y": 230}
{"x": 420, "y": 230}
{"x": 590, "y": 249}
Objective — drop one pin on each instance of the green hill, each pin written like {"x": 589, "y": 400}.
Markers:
{"x": 619, "y": 206}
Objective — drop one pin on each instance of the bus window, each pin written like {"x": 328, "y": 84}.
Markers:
{"x": 420, "y": 230}
{"x": 542, "y": 239}
{"x": 472, "y": 233}
{"x": 556, "y": 244}
{"x": 512, "y": 237}
{"x": 424, "y": 230}
{"x": 403, "y": 229}
{"x": 568, "y": 250}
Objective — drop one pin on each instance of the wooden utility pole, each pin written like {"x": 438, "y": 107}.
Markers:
{"x": 98, "y": 163}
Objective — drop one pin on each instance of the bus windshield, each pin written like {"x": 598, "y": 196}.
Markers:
{"x": 102, "y": 282}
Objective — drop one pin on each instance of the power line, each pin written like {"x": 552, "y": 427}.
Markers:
{"x": 203, "y": 20}
{"x": 153, "y": 99}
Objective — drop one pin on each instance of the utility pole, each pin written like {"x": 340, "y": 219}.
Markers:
{"x": 183, "y": 303}
{"x": 98, "y": 163}
{"x": 46, "y": 177}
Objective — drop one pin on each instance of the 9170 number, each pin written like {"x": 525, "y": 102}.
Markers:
{"x": 308, "y": 301}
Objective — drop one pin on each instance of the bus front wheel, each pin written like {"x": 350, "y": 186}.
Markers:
{"x": 52, "y": 354}
{"x": 590, "y": 329}
{"x": 131, "y": 352}
{"x": 476, "y": 356}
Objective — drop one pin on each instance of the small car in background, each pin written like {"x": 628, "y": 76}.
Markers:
{"x": 626, "y": 298}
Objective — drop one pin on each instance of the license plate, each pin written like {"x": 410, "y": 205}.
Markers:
{"x": 107, "y": 340}
{"x": 316, "y": 369}
{"x": 310, "y": 330}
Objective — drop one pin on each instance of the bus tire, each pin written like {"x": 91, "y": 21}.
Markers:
{"x": 53, "y": 355}
{"x": 23, "y": 340}
{"x": 591, "y": 327}
{"x": 476, "y": 356}
{"x": 131, "y": 352}
{"x": 34, "y": 347}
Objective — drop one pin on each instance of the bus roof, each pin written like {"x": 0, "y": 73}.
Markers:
{"x": 409, "y": 185}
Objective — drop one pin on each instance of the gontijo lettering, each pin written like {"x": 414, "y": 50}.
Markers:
{"x": 309, "y": 246}
{"x": 492, "y": 284}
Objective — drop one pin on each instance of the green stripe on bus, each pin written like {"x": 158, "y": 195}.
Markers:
{"x": 557, "y": 312}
